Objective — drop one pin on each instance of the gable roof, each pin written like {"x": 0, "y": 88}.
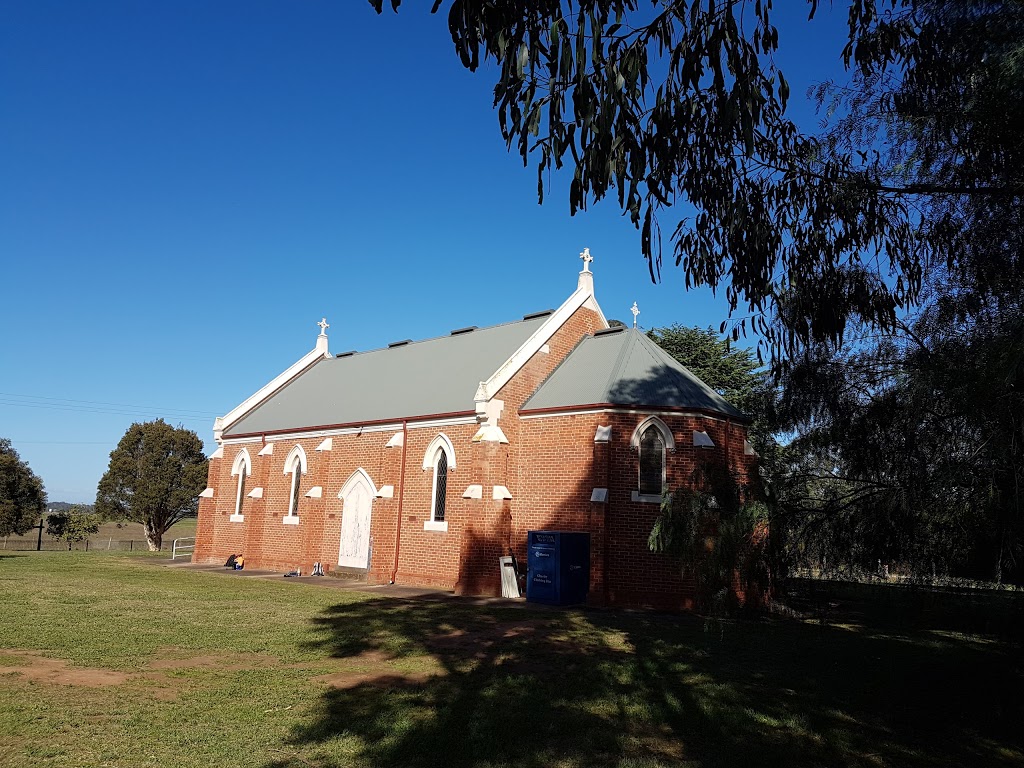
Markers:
{"x": 423, "y": 378}
{"x": 623, "y": 367}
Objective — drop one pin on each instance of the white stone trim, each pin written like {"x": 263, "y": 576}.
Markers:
{"x": 266, "y": 450}
{"x": 500, "y": 493}
{"x": 748, "y": 448}
{"x": 599, "y": 495}
{"x": 434, "y": 525}
{"x": 662, "y": 427}
{"x": 218, "y": 454}
{"x": 434, "y": 423}
{"x": 316, "y": 492}
{"x": 290, "y": 519}
{"x": 360, "y": 472}
{"x": 603, "y": 434}
{"x": 289, "y": 460}
{"x": 206, "y": 494}
{"x": 385, "y": 492}
{"x": 582, "y": 295}
{"x": 490, "y": 433}
{"x": 441, "y": 441}
{"x": 702, "y": 439}
{"x": 240, "y": 459}
{"x": 236, "y": 518}
{"x": 397, "y": 440}
{"x": 645, "y": 498}
{"x": 584, "y": 411}
{"x": 222, "y": 423}
{"x": 326, "y": 445}
{"x": 286, "y": 437}
{"x": 473, "y": 492}
{"x": 545, "y": 349}
{"x": 255, "y": 493}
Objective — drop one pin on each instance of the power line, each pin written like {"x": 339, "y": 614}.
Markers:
{"x": 60, "y": 442}
{"x": 109, "y": 411}
{"x": 116, "y": 405}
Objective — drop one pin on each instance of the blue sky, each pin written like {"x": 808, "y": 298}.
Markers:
{"x": 187, "y": 187}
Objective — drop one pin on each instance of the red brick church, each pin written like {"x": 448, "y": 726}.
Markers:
{"x": 424, "y": 462}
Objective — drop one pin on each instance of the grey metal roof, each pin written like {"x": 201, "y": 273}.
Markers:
{"x": 419, "y": 378}
{"x": 628, "y": 369}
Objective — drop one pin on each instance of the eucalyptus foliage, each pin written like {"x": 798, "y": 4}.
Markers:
{"x": 679, "y": 104}
{"x": 720, "y": 531}
{"x": 911, "y": 445}
{"x": 22, "y": 498}
{"x": 155, "y": 476}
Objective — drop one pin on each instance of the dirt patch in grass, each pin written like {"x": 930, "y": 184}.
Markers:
{"x": 228, "y": 662}
{"x": 38, "y": 668}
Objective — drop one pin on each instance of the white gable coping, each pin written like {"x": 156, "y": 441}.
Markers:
{"x": 315, "y": 355}
{"x": 582, "y": 296}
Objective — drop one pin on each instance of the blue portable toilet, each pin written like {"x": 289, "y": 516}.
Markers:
{"x": 558, "y": 567}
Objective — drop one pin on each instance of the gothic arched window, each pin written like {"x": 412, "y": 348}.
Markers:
{"x": 652, "y": 461}
{"x": 440, "y": 489}
{"x": 293, "y": 499}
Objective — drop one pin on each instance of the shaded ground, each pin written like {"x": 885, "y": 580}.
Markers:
{"x": 603, "y": 688}
{"x": 109, "y": 661}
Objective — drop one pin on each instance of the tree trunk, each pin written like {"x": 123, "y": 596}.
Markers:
{"x": 154, "y": 538}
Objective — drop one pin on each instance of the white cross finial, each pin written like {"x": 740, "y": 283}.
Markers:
{"x": 636, "y": 311}
{"x": 587, "y": 258}
{"x": 324, "y": 325}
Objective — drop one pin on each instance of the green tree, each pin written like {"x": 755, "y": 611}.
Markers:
{"x": 77, "y": 523}
{"x": 22, "y": 498}
{"x": 909, "y": 446}
{"x": 155, "y": 476}
{"x": 682, "y": 102}
{"x": 731, "y": 371}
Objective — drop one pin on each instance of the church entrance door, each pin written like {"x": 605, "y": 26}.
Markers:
{"x": 357, "y": 494}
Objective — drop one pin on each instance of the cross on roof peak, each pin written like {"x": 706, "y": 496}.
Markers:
{"x": 636, "y": 311}
{"x": 324, "y": 325}
{"x": 587, "y": 258}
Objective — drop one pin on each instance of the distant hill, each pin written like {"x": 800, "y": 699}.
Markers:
{"x": 60, "y": 506}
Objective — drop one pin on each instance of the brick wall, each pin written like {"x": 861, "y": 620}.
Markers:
{"x": 550, "y": 466}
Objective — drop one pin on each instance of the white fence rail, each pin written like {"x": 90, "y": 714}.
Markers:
{"x": 183, "y": 547}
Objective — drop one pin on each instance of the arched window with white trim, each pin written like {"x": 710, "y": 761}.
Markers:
{"x": 243, "y": 468}
{"x": 440, "y": 459}
{"x": 440, "y": 487}
{"x": 652, "y": 462}
{"x": 652, "y": 440}
{"x": 295, "y": 465}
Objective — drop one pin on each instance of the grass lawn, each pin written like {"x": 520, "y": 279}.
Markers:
{"x": 109, "y": 660}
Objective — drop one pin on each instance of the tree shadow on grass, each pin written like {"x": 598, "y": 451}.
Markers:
{"x": 439, "y": 682}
